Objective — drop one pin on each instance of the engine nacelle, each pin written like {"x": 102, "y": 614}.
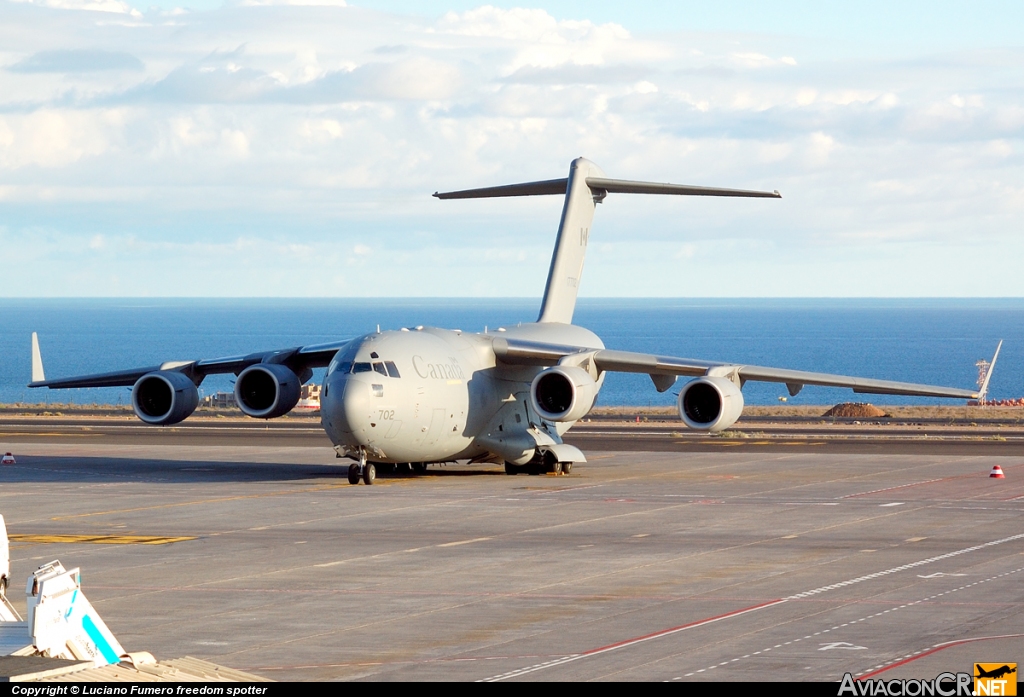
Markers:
{"x": 710, "y": 404}
{"x": 563, "y": 393}
{"x": 267, "y": 390}
{"x": 164, "y": 397}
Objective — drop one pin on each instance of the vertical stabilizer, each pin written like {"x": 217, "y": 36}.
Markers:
{"x": 571, "y": 244}
{"x": 585, "y": 187}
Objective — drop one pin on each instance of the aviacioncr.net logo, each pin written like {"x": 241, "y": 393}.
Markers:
{"x": 995, "y": 679}
{"x": 943, "y": 685}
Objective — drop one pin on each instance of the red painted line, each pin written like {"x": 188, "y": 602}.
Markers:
{"x": 935, "y": 649}
{"x": 673, "y": 630}
{"x": 628, "y": 642}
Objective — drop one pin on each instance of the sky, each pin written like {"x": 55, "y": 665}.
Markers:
{"x": 255, "y": 148}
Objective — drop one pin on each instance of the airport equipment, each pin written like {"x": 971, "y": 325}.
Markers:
{"x": 997, "y": 473}
{"x": 62, "y": 621}
{"x": 424, "y": 395}
{"x": 63, "y": 624}
{"x": 7, "y": 459}
{"x": 5, "y": 566}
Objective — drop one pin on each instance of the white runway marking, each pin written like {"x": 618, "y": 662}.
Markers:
{"x": 865, "y": 619}
{"x": 816, "y": 591}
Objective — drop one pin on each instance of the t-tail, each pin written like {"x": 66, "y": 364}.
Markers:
{"x": 584, "y": 188}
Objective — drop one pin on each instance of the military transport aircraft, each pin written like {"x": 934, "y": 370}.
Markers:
{"x": 425, "y": 395}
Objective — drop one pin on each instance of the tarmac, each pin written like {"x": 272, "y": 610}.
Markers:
{"x": 663, "y": 558}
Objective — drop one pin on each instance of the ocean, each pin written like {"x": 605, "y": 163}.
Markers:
{"x": 934, "y": 341}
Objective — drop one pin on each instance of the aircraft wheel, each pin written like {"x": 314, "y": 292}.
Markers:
{"x": 511, "y": 469}
{"x": 566, "y": 467}
{"x": 419, "y": 467}
{"x": 556, "y": 468}
{"x": 353, "y": 474}
{"x": 3, "y": 587}
{"x": 369, "y": 473}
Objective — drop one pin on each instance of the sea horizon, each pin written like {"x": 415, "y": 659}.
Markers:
{"x": 932, "y": 340}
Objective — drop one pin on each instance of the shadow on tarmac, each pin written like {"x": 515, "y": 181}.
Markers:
{"x": 44, "y": 469}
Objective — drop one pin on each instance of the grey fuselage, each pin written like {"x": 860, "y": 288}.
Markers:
{"x": 451, "y": 400}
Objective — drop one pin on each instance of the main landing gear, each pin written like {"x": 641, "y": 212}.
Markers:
{"x": 555, "y": 468}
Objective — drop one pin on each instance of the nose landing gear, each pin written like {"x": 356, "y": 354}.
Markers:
{"x": 364, "y": 470}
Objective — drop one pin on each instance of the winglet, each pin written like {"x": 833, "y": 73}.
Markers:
{"x": 983, "y": 390}
{"x": 37, "y": 361}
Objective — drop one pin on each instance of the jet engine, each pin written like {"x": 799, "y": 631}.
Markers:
{"x": 563, "y": 393}
{"x": 710, "y": 403}
{"x": 267, "y": 390}
{"x": 164, "y": 397}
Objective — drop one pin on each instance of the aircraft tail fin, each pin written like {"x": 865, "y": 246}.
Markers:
{"x": 584, "y": 188}
{"x": 570, "y": 244}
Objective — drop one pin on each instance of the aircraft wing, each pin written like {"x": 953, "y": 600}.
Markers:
{"x": 298, "y": 358}
{"x": 535, "y": 353}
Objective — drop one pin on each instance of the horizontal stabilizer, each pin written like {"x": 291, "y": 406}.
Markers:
{"x": 624, "y": 186}
{"x": 599, "y": 186}
{"x": 551, "y": 186}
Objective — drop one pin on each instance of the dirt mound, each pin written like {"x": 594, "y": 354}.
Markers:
{"x": 855, "y": 410}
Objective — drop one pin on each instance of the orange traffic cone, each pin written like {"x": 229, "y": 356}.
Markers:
{"x": 997, "y": 473}
{"x": 7, "y": 459}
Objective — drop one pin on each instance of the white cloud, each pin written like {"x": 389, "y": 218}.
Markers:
{"x": 115, "y": 6}
{"x": 56, "y": 137}
{"x": 538, "y": 40}
{"x": 758, "y": 60}
{"x": 820, "y": 146}
{"x": 524, "y": 25}
{"x": 318, "y": 133}
{"x": 297, "y": 3}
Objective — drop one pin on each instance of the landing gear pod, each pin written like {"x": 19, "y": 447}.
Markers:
{"x": 563, "y": 393}
{"x": 710, "y": 404}
{"x": 164, "y": 397}
{"x": 267, "y": 390}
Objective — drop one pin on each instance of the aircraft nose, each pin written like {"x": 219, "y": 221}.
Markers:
{"x": 347, "y": 405}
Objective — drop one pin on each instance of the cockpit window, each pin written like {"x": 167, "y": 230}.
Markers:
{"x": 342, "y": 361}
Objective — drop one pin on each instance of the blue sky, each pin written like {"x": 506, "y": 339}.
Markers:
{"x": 276, "y": 148}
{"x": 911, "y": 24}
